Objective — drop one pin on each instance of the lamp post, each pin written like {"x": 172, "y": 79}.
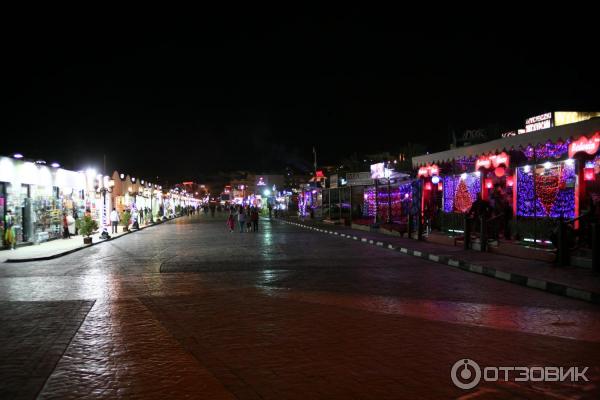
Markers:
{"x": 107, "y": 185}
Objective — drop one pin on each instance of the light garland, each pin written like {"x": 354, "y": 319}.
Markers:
{"x": 451, "y": 185}
{"x": 555, "y": 193}
{"x": 400, "y": 202}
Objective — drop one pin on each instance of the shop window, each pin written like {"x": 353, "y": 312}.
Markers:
{"x": 460, "y": 191}
{"x": 546, "y": 190}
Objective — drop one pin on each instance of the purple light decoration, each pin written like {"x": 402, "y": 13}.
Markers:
{"x": 400, "y": 202}
{"x": 548, "y": 150}
{"x": 563, "y": 205}
{"x": 450, "y": 185}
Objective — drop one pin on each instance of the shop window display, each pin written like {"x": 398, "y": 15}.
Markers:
{"x": 460, "y": 191}
{"x": 554, "y": 192}
{"x": 46, "y": 214}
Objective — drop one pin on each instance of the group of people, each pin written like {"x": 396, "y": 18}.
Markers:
{"x": 247, "y": 219}
{"x": 497, "y": 211}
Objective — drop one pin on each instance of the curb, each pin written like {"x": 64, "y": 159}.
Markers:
{"x": 522, "y": 280}
{"x": 86, "y": 246}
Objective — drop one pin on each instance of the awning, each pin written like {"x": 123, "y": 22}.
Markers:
{"x": 563, "y": 132}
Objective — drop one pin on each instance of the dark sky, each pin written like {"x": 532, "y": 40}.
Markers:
{"x": 249, "y": 91}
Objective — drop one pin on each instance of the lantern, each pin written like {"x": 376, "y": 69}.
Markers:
{"x": 488, "y": 183}
{"x": 588, "y": 174}
{"x": 499, "y": 171}
{"x": 440, "y": 186}
{"x": 428, "y": 186}
{"x": 510, "y": 181}
{"x": 435, "y": 179}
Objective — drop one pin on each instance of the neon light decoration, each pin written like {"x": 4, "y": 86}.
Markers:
{"x": 429, "y": 170}
{"x": 460, "y": 192}
{"x": 585, "y": 145}
{"x": 554, "y": 192}
{"x": 547, "y": 150}
{"x": 401, "y": 201}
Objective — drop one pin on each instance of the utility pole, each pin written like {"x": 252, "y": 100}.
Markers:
{"x": 315, "y": 161}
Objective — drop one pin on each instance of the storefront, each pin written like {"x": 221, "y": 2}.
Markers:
{"x": 36, "y": 197}
{"x": 529, "y": 181}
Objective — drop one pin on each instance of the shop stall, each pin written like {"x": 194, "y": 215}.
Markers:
{"x": 525, "y": 184}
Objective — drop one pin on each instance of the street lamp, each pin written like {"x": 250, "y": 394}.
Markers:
{"x": 107, "y": 186}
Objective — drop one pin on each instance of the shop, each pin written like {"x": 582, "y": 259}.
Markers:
{"x": 527, "y": 182}
{"x": 36, "y": 197}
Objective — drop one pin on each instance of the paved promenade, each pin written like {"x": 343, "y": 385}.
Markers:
{"x": 189, "y": 310}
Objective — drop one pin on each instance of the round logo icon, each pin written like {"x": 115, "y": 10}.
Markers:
{"x": 465, "y": 374}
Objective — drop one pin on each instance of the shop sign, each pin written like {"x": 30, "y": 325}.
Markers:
{"x": 583, "y": 144}
{"x": 538, "y": 122}
{"x": 359, "y": 178}
{"x": 495, "y": 161}
{"x": 429, "y": 170}
{"x": 482, "y": 162}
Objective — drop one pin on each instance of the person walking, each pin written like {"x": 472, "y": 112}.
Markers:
{"x": 76, "y": 217}
{"x": 231, "y": 221}
{"x": 241, "y": 219}
{"x": 71, "y": 224}
{"x": 254, "y": 218}
{"x": 248, "y": 219}
{"x": 65, "y": 223}
{"x": 114, "y": 220}
{"x": 134, "y": 218}
{"x": 10, "y": 236}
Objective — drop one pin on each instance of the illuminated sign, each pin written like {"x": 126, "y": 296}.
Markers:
{"x": 499, "y": 159}
{"x": 359, "y": 178}
{"x": 429, "y": 170}
{"x": 483, "y": 162}
{"x": 583, "y": 144}
{"x": 492, "y": 161}
{"x": 538, "y": 122}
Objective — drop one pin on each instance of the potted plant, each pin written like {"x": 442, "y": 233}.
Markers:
{"x": 125, "y": 219}
{"x": 86, "y": 227}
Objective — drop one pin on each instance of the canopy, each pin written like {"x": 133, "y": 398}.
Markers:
{"x": 563, "y": 132}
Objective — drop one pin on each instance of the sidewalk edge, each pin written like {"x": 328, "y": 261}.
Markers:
{"x": 85, "y": 246}
{"x": 521, "y": 280}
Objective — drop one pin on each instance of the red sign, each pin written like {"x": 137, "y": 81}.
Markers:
{"x": 482, "y": 162}
{"x": 500, "y": 159}
{"x": 583, "y": 144}
{"x": 429, "y": 170}
{"x": 494, "y": 160}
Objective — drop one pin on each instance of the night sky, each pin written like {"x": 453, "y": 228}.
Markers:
{"x": 226, "y": 92}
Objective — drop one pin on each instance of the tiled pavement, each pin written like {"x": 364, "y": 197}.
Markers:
{"x": 192, "y": 311}
{"x": 570, "y": 277}
{"x": 55, "y": 248}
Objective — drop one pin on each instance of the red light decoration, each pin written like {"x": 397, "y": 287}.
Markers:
{"x": 429, "y": 170}
{"x": 500, "y": 159}
{"x": 510, "y": 181}
{"x": 493, "y": 161}
{"x": 547, "y": 188}
{"x": 482, "y": 162}
{"x": 583, "y": 144}
{"x": 462, "y": 199}
{"x": 440, "y": 187}
{"x": 488, "y": 183}
{"x": 428, "y": 186}
{"x": 499, "y": 171}
{"x": 588, "y": 174}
